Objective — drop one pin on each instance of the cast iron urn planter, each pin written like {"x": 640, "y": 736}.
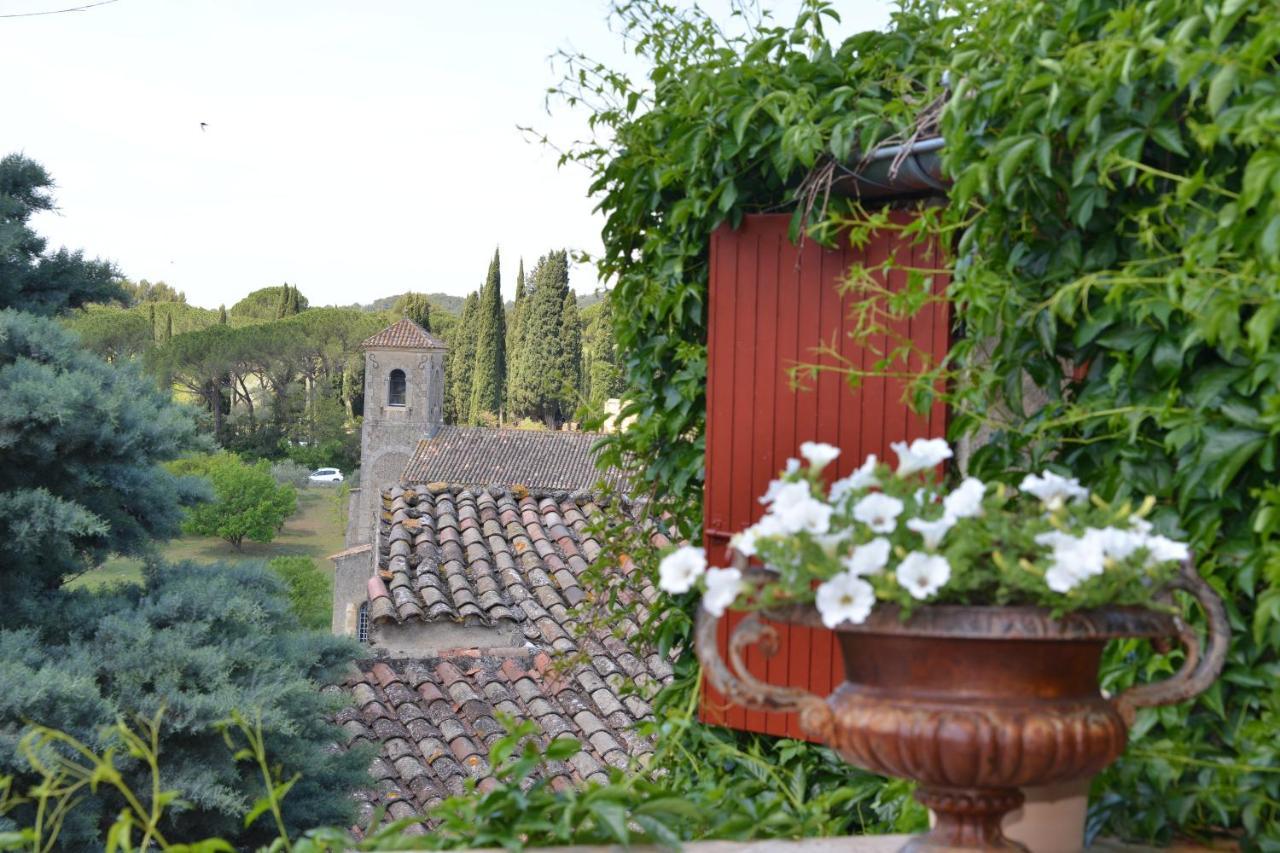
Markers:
{"x": 974, "y": 703}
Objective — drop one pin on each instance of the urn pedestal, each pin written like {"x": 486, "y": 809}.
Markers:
{"x": 973, "y": 703}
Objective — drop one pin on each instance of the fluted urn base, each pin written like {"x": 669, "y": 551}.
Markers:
{"x": 973, "y": 703}
{"x": 967, "y": 820}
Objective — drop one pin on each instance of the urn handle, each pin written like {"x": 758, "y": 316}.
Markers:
{"x": 736, "y": 682}
{"x": 1203, "y": 662}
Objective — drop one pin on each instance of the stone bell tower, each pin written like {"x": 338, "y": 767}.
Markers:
{"x": 403, "y": 404}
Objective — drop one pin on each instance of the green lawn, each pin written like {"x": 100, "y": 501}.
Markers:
{"x": 315, "y": 530}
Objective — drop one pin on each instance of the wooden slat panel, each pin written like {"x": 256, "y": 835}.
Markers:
{"x": 770, "y": 304}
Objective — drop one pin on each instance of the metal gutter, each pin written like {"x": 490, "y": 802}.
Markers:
{"x": 893, "y": 171}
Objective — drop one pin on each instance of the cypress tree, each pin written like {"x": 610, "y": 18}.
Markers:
{"x": 151, "y": 320}
{"x": 282, "y": 307}
{"x": 536, "y": 382}
{"x": 415, "y": 307}
{"x": 462, "y": 356}
{"x": 490, "y": 374}
{"x": 569, "y": 365}
{"x": 168, "y": 326}
{"x": 515, "y": 342}
{"x": 222, "y": 315}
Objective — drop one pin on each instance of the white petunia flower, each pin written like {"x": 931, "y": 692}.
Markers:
{"x": 932, "y": 531}
{"x": 863, "y": 478}
{"x": 831, "y": 542}
{"x": 783, "y": 494}
{"x": 1162, "y": 549}
{"x": 809, "y": 515}
{"x": 1116, "y": 544}
{"x": 1075, "y": 559}
{"x": 793, "y": 465}
{"x": 680, "y": 569}
{"x": 878, "y": 511}
{"x": 1053, "y": 538}
{"x": 922, "y": 453}
{"x": 965, "y": 501}
{"x": 785, "y": 490}
{"x": 845, "y": 598}
{"x": 1061, "y": 579}
{"x": 1054, "y": 490}
{"x": 819, "y": 454}
{"x": 869, "y": 558}
{"x": 1140, "y": 524}
{"x": 723, "y": 588}
{"x": 923, "y": 574}
{"x": 744, "y": 541}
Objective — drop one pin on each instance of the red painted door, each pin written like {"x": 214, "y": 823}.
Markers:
{"x": 770, "y": 304}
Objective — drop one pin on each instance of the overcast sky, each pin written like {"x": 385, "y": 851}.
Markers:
{"x": 356, "y": 148}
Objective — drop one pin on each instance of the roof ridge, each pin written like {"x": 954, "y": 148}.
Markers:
{"x": 403, "y": 334}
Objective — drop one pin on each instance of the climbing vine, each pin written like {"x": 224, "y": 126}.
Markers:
{"x": 1114, "y": 229}
{"x": 1119, "y": 164}
{"x": 730, "y": 117}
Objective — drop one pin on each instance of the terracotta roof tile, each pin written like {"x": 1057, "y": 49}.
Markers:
{"x": 536, "y": 460}
{"x": 422, "y": 762}
{"x": 492, "y": 556}
{"x": 403, "y": 334}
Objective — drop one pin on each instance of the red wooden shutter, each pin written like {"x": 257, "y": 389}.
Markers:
{"x": 770, "y": 304}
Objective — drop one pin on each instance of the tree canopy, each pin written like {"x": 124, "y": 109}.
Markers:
{"x": 247, "y": 502}
{"x": 416, "y": 307}
{"x": 490, "y": 371}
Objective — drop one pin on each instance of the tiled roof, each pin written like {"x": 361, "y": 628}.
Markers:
{"x": 403, "y": 334}
{"x": 484, "y": 557}
{"x": 435, "y": 720}
{"x": 537, "y": 460}
{"x": 496, "y": 557}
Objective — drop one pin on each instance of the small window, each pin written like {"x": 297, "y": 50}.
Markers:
{"x": 395, "y": 396}
{"x": 362, "y": 623}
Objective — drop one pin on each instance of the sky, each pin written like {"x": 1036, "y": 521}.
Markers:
{"x": 355, "y": 148}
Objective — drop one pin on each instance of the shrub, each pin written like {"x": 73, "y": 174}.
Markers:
{"x": 199, "y": 642}
{"x": 247, "y": 504}
{"x": 291, "y": 473}
{"x": 310, "y": 589}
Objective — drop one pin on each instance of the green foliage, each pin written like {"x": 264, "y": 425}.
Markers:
{"x": 143, "y": 291}
{"x": 293, "y": 473}
{"x": 247, "y": 503}
{"x": 265, "y": 304}
{"x": 310, "y": 590}
{"x": 32, "y": 279}
{"x": 489, "y": 377}
{"x": 546, "y": 358}
{"x": 797, "y": 792}
{"x": 81, "y": 443}
{"x": 462, "y": 354}
{"x": 188, "y": 649}
{"x": 569, "y": 356}
{"x": 1115, "y": 218}
{"x": 727, "y": 122}
{"x": 111, "y": 333}
{"x": 601, "y": 371}
{"x": 441, "y": 303}
{"x": 1117, "y": 200}
{"x": 416, "y": 307}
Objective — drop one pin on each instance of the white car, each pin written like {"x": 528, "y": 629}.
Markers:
{"x": 326, "y": 475}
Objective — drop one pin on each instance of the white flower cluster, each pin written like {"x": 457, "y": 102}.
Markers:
{"x": 1078, "y": 558}
{"x": 857, "y": 525}
{"x": 680, "y": 570}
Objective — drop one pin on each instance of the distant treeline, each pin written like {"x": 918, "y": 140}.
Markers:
{"x": 276, "y": 377}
